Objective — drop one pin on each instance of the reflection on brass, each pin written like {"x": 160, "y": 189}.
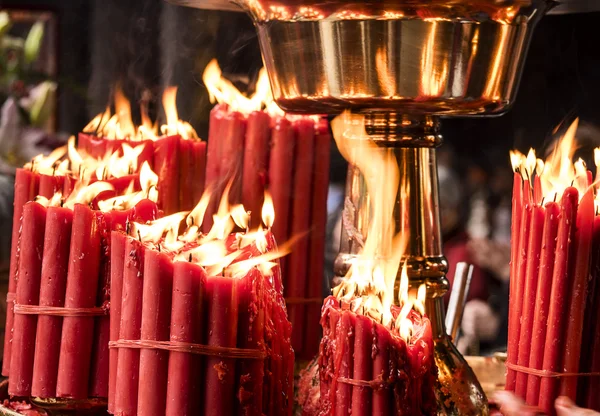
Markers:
{"x": 491, "y": 372}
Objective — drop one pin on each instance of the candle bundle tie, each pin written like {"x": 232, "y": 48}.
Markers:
{"x": 201, "y": 349}
{"x": 201, "y": 327}
{"x": 256, "y": 146}
{"x": 58, "y": 311}
{"x": 554, "y": 318}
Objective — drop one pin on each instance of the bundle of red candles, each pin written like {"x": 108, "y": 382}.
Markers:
{"x": 57, "y": 341}
{"x": 369, "y": 367}
{"x": 69, "y": 180}
{"x": 202, "y": 326}
{"x": 256, "y": 146}
{"x": 176, "y": 154}
{"x": 554, "y": 315}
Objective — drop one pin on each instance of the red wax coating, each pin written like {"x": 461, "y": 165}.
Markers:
{"x": 184, "y": 386}
{"x": 94, "y": 146}
{"x": 516, "y": 301}
{"x": 156, "y": 320}
{"x": 213, "y": 159}
{"x": 536, "y": 232}
{"x": 50, "y": 184}
{"x": 557, "y": 317}
{"x": 68, "y": 185}
{"x": 232, "y": 155}
{"x": 345, "y": 350}
{"x": 126, "y": 385}
{"x": 166, "y": 166}
{"x": 117, "y": 265}
{"x": 222, "y": 331}
{"x": 82, "y": 285}
{"x": 256, "y": 162}
{"x": 147, "y": 154}
{"x": 382, "y": 399}
{"x": 300, "y": 222}
{"x": 55, "y": 265}
{"x": 26, "y": 187}
{"x": 578, "y": 293}
{"x": 591, "y": 397}
{"x": 281, "y": 175}
{"x": 542, "y": 300}
{"x": 537, "y": 190}
{"x": 250, "y": 298}
{"x": 316, "y": 259}
{"x": 28, "y": 293}
{"x": 198, "y": 171}
{"x": 363, "y": 363}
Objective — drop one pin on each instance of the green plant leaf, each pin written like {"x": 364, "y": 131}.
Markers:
{"x": 33, "y": 42}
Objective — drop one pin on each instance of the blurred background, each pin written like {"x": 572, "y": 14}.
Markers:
{"x": 60, "y": 61}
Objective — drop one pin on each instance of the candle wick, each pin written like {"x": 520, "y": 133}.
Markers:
{"x": 127, "y": 226}
{"x": 32, "y": 164}
{"x": 190, "y": 258}
{"x": 159, "y": 248}
{"x": 139, "y": 235}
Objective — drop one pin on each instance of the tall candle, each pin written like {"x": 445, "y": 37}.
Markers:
{"x": 296, "y": 283}
{"x": 166, "y": 166}
{"x": 234, "y": 132}
{"x": 127, "y": 381}
{"x": 363, "y": 363}
{"x": 556, "y": 316}
{"x": 156, "y": 319}
{"x": 187, "y": 325}
{"x": 256, "y": 159}
{"x": 591, "y": 398}
{"x": 55, "y": 265}
{"x": 28, "y": 292}
{"x": 531, "y": 282}
{"x": 578, "y": 293}
{"x": 82, "y": 285}
{"x": 213, "y": 158}
{"x": 220, "y": 375}
{"x": 26, "y": 187}
{"x": 542, "y": 300}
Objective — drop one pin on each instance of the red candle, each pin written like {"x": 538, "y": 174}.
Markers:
{"x": 192, "y": 155}
{"x": 26, "y": 187}
{"x": 220, "y": 372}
{"x": 166, "y": 166}
{"x": 50, "y": 184}
{"x": 82, "y": 285}
{"x": 529, "y": 294}
{"x": 296, "y": 283}
{"x": 197, "y": 177}
{"x": 363, "y": 363}
{"x": 316, "y": 262}
{"x": 117, "y": 266}
{"x": 345, "y": 363}
{"x": 55, "y": 265}
{"x": 591, "y": 397}
{"x": 156, "y": 319}
{"x": 94, "y": 146}
{"x": 560, "y": 283}
{"x": 578, "y": 293}
{"x": 381, "y": 370}
{"x": 234, "y": 132}
{"x": 251, "y": 320}
{"x": 542, "y": 300}
{"x": 213, "y": 159}
{"x": 127, "y": 380}
{"x": 516, "y": 301}
{"x": 184, "y": 385}
{"x": 28, "y": 293}
{"x": 280, "y": 175}
{"x": 256, "y": 159}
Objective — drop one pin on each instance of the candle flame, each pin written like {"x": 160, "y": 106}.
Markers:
{"x": 268, "y": 210}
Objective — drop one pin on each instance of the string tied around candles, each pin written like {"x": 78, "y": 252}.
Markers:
{"x": 200, "y": 349}
{"x": 59, "y": 311}
{"x": 547, "y": 373}
{"x": 379, "y": 384}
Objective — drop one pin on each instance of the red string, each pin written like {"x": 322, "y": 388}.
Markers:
{"x": 546, "y": 373}
{"x": 224, "y": 352}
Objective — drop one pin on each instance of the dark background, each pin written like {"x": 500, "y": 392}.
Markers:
{"x": 147, "y": 44}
